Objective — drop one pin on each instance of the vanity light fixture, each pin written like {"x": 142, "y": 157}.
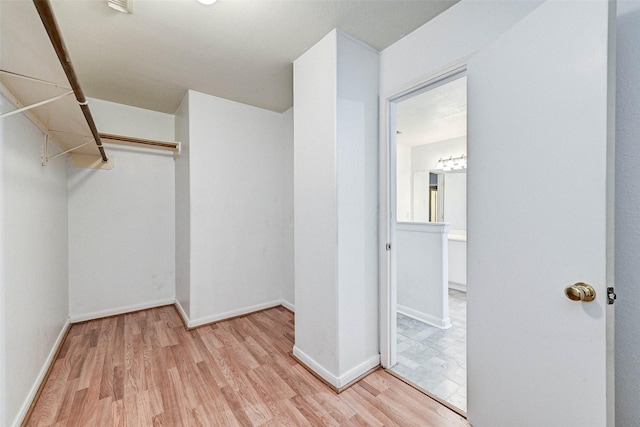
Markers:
{"x": 452, "y": 163}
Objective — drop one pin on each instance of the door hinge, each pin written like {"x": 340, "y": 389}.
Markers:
{"x": 611, "y": 295}
{"x": 388, "y": 246}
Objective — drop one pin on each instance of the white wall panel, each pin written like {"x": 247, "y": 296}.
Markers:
{"x": 316, "y": 269}
{"x": 183, "y": 210}
{"x": 357, "y": 198}
{"x": 236, "y": 197}
{"x": 422, "y": 272}
{"x": 403, "y": 195}
{"x": 335, "y": 187}
{"x": 447, "y": 39}
{"x": 34, "y": 297}
{"x": 288, "y": 279}
{"x": 121, "y": 221}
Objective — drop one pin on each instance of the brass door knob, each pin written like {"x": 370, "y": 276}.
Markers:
{"x": 580, "y": 292}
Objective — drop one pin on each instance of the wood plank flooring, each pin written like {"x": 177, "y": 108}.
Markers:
{"x": 146, "y": 369}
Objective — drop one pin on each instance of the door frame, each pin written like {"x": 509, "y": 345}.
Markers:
{"x": 388, "y": 202}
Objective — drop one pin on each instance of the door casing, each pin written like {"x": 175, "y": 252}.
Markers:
{"x": 388, "y": 204}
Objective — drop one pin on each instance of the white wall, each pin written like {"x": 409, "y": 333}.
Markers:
{"x": 422, "y": 272}
{"x": 131, "y": 121}
{"x": 458, "y": 262}
{"x": 404, "y": 177}
{"x": 335, "y": 169}
{"x": 121, "y": 221}
{"x": 183, "y": 211}
{"x": 237, "y": 155}
{"x": 455, "y": 214}
{"x": 34, "y": 298}
{"x": 315, "y": 203}
{"x": 627, "y": 270}
{"x": 455, "y": 201}
{"x": 288, "y": 279}
{"x": 357, "y": 198}
{"x": 469, "y": 28}
{"x": 424, "y": 157}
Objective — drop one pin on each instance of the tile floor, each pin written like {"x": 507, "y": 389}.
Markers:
{"x": 433, "y": 358}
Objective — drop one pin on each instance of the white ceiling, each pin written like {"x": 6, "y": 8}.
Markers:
{"x": 435, "y": 115}
{"x": 236, "y": 49}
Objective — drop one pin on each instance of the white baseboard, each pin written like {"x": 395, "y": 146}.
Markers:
{"x": 41, "y": 375}
{"x": 120, "y": 310}
{"x": 288, "y": 306}
{"x": 359, "y": 370}
{"x": 337, "y": 381}
{"x": 458, "y": 286}
{"x": 183, "y": 314}
{"x": 424, "y": 317}
{"x": 192, "y": 323}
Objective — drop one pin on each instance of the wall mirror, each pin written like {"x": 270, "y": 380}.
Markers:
{"x": 441, "y": 196}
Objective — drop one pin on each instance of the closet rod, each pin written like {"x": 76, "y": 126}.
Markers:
{"x": 132, "y": 140}
{"x": 50, "y": 24}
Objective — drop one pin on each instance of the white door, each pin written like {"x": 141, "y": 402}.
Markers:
{"x": 540, "y": 218}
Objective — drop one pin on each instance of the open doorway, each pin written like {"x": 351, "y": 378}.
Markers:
{"x": 430, "y": 239}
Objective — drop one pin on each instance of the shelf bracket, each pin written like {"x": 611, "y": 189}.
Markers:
{"x": 37, "y": 104}
{"x": 33, "y": 79}
{"x": 45, "y": 150}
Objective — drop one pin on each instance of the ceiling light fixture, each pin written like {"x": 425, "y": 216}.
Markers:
{"x": 124, "y": 6}
{"x": 207, "y": 2}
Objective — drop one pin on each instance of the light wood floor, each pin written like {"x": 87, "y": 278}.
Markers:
{"x": 146, "y": 369}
